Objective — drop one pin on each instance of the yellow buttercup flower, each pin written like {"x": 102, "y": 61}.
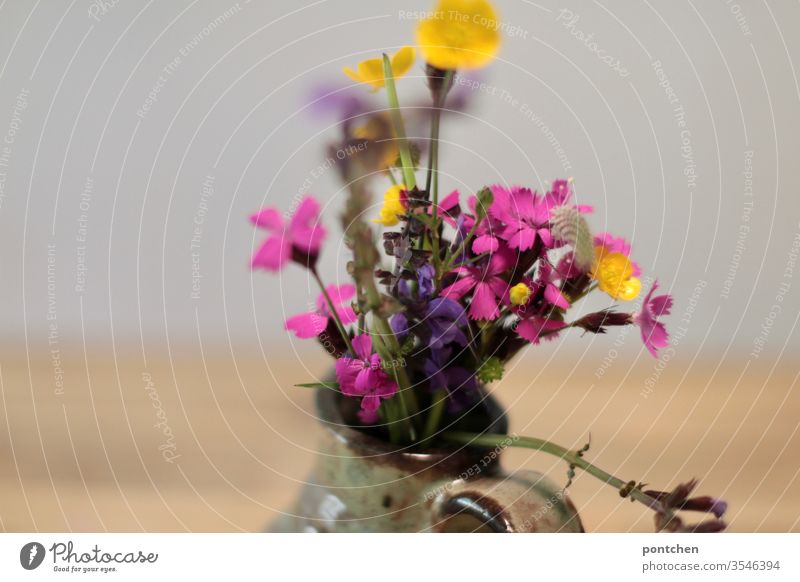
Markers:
{"x": 461, "y": 34}
{"x": 614, "y": 275}
{"x": 519, "y": 294}
{"x": 371, "y": 70}
{"x": 393, "y": 206}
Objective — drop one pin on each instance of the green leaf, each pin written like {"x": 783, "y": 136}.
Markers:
{"x": 327, "y": 385}
{"x": 490, "y": 370}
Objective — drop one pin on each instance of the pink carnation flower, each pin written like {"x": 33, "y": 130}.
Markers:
{"x": 654, "y": 334}
{"x": 485, "y": 240}
{"x": 301, "y": 239}
{"x": 363, "y": 376}
{"x": 489, "y": 287}
{"x": 313, "y": 323}
{"x": 524, "y": 214}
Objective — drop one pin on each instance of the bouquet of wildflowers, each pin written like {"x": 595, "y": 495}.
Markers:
{"x": 447, "y": 288}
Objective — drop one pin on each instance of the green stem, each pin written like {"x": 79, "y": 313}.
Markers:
{"x": 387, "y": 416}
{"x": 334, "y": 314}
{"x": 432, "y": 181}
{"x": 402, "y": 417}
{"x": 462, "y": 247}
{"x": 435, "y": 415}
{"x": 474, "y": 259}
{"x": 399, "y": 127}
{"x": 572, "y": 458}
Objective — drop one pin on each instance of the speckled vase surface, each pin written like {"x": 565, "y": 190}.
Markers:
{"x": 363, "y": 484}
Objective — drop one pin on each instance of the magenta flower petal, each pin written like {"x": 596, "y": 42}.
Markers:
{"x": 501, "y": 261}
{"x": 485, "y": 244}
{"x": 341, "y": 293}
{"x": 555, "y": 297}
{"x": 501, "y": 205}
{"x": 267, "y": 218}
{"x": 458, "y": 289}
{"x": 338, "y": 293}
{"x": 370, "y": 403}
{"x": 654, "y": 336}
{"x": 523, "y": 239}
{"x": 499, "y": 287}
{"x": 484, "y": 303}
{"x": 365, "y": 381}
{"x": 533, "y": 329}
{"x": 305, "y": 230}
{"x": 449, "y": 202}
{"x": 661, "y": 305}
{"x": 347, "y": 369}
{"x": 271, "y": 255}
{"x": 546, "y": 236}
{"x": 386, "y": 388}
{"x": 362, "y": 344}
{"x": 307, "y": 325}
{"x": 346, "y": 314}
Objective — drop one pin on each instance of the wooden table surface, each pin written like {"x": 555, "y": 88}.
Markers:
{"x": 206, "y": 442}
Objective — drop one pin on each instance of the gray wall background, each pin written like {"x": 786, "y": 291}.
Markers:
{"x": 99, "y": 202}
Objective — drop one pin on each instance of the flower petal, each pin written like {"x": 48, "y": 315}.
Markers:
{"x": 661, "y": 305}
{"x": 347, "y": 369}
{"x": 371, "y": 71}
{"x": 307, "y": 325}
{"x": 370, "y": 403}
{"x": 654, "y": 336}
{"x": 555, "y": 297}
{"x": 458, "y": 289}
{"x": 485, "y": 243}
{"x": 367, "y": 381}
{"x": 346, "y": 314}
{"x": 339, "y": 294}
{"x": 402, "y": 61}
{"x": 362, "y": 344}
{"x": 305, "y": 229}
{"x": 523, "y": 239}
{"x": 533, "y": 329}
{"x": 272, "y": 255}
{"x": 267, "y": 218}
{"x": 484, "y": 303}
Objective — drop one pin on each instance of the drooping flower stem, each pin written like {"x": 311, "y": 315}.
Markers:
{"x": 334, "y": 313}
{"x": 573, "y": 458}
{"x": 399, "y": 127}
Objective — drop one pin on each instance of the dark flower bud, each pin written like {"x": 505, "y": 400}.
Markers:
{"x": 598, "y": 322}
{"x": 391, "y": 242}
{"x": 677, "y": 499}
{"x": 438, "y": 82}
{"x": 484, "y": 201}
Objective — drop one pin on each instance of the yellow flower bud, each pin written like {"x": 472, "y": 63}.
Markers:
{"x": 520, "y": 294}
{"x": 393, "y": 207}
